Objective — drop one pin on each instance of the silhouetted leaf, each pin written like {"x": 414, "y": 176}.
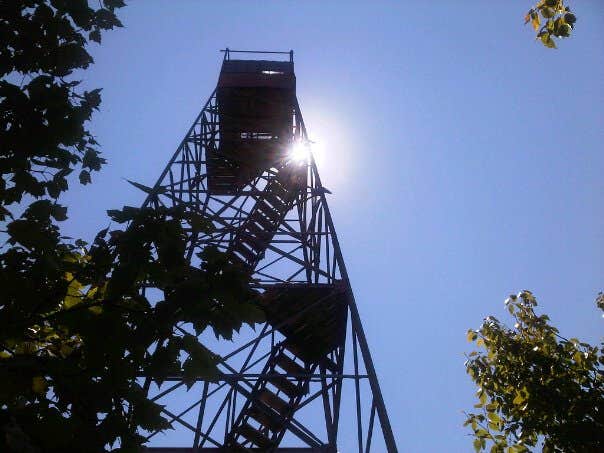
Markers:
{"x": 95, "y": 35}
{"x": 59, "y": 212}
{"x": 85, "y": 177}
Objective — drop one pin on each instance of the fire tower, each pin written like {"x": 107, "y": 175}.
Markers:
{"x": 304, "y": 381}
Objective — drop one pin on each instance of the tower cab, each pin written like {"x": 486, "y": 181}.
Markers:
{"x": 256, "y": 103}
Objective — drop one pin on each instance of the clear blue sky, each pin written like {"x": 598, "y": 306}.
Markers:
{"x": 466, "y": 162}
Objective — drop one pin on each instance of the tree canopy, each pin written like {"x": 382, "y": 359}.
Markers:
{"x": 43, "y": 134}
{"x": 78, "y": 328}
{"x": 535, "y": 386}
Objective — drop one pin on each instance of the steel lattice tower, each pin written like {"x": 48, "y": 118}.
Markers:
{"x": 304, "y": 381}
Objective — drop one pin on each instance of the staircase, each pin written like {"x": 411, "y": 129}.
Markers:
{"x": 277, "y": 198}
{"x": 267, "y": 412}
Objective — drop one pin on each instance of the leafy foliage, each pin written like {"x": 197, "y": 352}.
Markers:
{"x": 43, "y": 134}
{"x": 534, "y": 385}
{"x": 77, "y": 325}
{"x": 76, "y": 331}
{"x": 551, "y": 19}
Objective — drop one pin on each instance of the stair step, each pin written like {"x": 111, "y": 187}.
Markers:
{"x": 249, "y": 255}
{"x": 268, "y": 220}
{"x": 254, "y": 243}
{"x": 279, "y": 191}
{"x": 254, "y": 230}
{"x": 254, "y": 436}
{"x": 269, "y": 211}
{"x": 273, "y": 401}
{"x": 265, "y": 418}
{"x": 235, "y": 259}
{"x": 275, "y": 202}
{"x": 261, "y": 220}
{"x": 285, "y": 385}
{"x": 288, "y": 365}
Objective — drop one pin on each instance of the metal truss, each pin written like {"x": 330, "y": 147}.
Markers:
{"x": 268, "y": 398}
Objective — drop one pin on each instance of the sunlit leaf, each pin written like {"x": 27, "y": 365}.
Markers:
{"x": 548, "y": 12}
{"x": 547, "y": 40}
{"x": 535, "y": 21}
{"x": 477, "y": 445}
{"x": 551, "y": 374}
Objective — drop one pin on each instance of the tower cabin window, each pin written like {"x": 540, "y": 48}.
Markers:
{"x": 256, "y": 136}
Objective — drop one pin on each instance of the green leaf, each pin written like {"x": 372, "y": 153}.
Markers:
{"x": 492, "y": 416}
{"x": 549, "y": 25}
{"x": 31, "y": 235}
{"x": 547, "y": 40}
{"x": 483, "y": 433}
{"x": 477, "y": 445}
{"x": 126, "y": 214}
{"x": 85, "y": 177}
{"x": 547, "y": 12}
{"x": 147, "y": 415}
{"x": 59, "y": 212}
{"x": 201, "y": 363}
{"x": 93, "y": 98}
{"x": 95, "y": 35}
{"x": 194, "y": 369}
{"x": 570, "y": 18}
{"x": 91, "y": 157}
{"x": 492, "y": 406}
{"x": 564, "y": 30}
{"x": 114, "y": 3}
{"x": 578, "y": 357}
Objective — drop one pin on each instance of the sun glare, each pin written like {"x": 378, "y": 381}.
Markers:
{"x": 300, "y": 152}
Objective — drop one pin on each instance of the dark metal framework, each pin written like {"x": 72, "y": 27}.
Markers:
{"x": 304, "y": 381}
